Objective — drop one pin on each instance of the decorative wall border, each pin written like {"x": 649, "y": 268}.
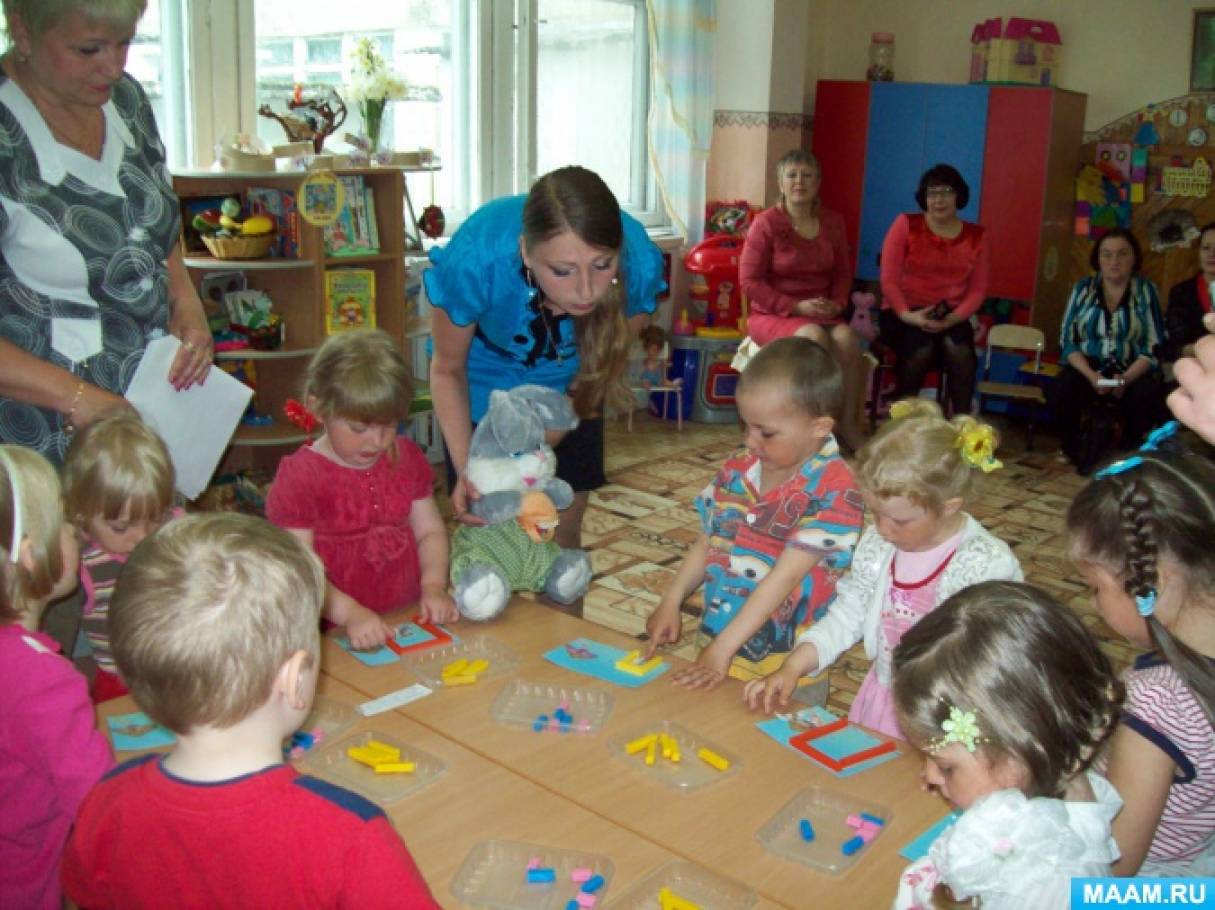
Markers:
{"x": 1157, "y": 108}
{"x": 766, "y": 119}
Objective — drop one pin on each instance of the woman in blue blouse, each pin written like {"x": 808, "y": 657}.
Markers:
{"x": 1112, "y": 329}
{"x": 546, "y": 289}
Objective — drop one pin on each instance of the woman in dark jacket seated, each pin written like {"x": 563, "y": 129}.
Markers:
{"x": 1189, "y": 301}
{"x": 1112, "y": 330}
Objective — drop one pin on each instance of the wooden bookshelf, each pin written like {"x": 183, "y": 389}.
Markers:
{"x": 297, "y": 288}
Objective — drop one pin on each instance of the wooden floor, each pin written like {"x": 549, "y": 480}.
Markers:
{"x": 638, "y": 526}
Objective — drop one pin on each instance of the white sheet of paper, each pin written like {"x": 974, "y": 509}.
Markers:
{"x": 197, "y": 423}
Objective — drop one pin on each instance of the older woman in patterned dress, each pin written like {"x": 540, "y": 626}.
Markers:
{"x": 90, "y": 271}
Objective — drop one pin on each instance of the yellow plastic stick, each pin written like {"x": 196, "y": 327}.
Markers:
{"x": 369, "y": 757}
{"x": 671, "y": 901}
{"x": 376, "y": 746}
{"x": 631, "y": 663}
{"x": 667, "y": 743}
{"x": 711, "y": 758}
{"x": 395, "y": 767}
{"x": 650, "y": 751}
{"x": 455, "y": 667}
{"x": 480, "y": 665}
{"x": 640, "y": 743}
{"x": 459, "y": 679}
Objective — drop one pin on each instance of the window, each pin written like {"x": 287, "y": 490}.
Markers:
{"x": 296, "y": 43}
{"x": 592, "y": 85}
{"x": 501, "y": 90}
{"x": 156, "y": 60}
{"x": 157, "y": 63}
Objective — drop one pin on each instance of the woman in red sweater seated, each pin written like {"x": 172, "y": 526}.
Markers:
{"x": 796, "y": 272}
{"x": 934, "y": 278}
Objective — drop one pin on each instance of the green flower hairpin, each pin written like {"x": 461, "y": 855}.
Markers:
{"x": 959, "y": 727}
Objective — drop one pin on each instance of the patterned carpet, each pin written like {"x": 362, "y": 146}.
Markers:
{"x": 638, "y": 527}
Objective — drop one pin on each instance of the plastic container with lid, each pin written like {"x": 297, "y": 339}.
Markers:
{"x": 881, "y": 57}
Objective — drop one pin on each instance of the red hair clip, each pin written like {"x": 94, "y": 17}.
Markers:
{"x": 299, "y": 415}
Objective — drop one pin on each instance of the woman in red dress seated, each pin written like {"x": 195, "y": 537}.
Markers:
{"x": 796, "y": 272}
{"x": 934, "y": 278}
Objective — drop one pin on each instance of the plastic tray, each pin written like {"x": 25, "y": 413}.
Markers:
{"x": 494, "y": 873}
{"x": 333, "y": 718}
{"x": 827, "y": 811}
{"x": 692, "y": 883}
{"x": 520, "y": 703}
{"x": 333, "y": 764}
{"x": 690, "y": 772}
{"x": 428, "y": 665}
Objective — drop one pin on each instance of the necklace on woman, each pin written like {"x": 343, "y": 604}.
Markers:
{"x": 548, "y": 330}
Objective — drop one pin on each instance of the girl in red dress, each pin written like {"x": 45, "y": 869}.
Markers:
{"x": 363, "y": 497}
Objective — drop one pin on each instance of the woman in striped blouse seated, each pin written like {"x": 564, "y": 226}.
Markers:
{"x": 1112, "y": 329}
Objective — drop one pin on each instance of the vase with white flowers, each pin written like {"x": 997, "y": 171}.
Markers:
{"x": 371, "y": 87}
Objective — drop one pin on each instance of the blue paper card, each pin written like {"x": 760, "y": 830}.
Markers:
{"x": 583, "y": 655}
{"x": 918, "y": 848}
{"x": 136, "y": 732}
{"x": 838, "y": 745}
{"x": 408, "y": 633}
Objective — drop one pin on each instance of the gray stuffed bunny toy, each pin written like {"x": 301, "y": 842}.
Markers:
{"x": 513, "y": 468}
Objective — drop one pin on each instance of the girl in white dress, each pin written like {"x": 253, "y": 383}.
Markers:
{"x": 1009, "y": 698}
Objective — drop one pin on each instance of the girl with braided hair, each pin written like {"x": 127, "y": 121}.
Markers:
{"x": 1009, "y": 698}
{"x": 1142, "y": 534}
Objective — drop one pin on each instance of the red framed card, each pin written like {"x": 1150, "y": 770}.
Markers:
{"x": 804, "y": 742}
{"x": 441, "y": 637}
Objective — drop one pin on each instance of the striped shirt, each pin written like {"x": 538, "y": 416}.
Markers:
{"x": 1136, "y": 328}
{"x": 99, "y": 571}
{"x": 1163, "y": 709}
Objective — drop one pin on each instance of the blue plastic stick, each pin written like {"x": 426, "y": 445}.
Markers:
{"x": 873, "y": 818}
{"x": 541, "y": 876}
{"x": 851, "y": 846}
{"x": 807, "y": 830}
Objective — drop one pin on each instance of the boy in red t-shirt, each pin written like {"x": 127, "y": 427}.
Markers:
{"x": 213, "y": 626}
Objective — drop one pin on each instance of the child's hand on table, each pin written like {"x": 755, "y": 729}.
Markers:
{"x": 366, "y": 629}
{"x": 709, "y": 671}
{"x": 437, "y": 606}
{"x": 664, "y": 627}
{"x": 771, "y": 692}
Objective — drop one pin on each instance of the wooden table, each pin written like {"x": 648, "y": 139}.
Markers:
{"x": 476, "y": 799}
{"x": 714, "y": 827}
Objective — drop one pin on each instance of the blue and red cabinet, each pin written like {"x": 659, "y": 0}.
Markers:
{"x": 1018, "y": 148}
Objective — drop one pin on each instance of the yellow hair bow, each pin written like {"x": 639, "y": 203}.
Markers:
{"x": 900, "y": 409}
{"x": 978, "y": 445}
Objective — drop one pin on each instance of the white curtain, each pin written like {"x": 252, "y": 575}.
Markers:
{"x": 682, "y": 38}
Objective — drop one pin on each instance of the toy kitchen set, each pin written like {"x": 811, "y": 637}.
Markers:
{"x": 707, "y": 331}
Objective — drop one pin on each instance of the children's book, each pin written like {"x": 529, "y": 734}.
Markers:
{"x": 373, "y": 226}
{"x": 350, "y": 234}
{"x": 349, "y": 300}
{"x": 280, "y": 206}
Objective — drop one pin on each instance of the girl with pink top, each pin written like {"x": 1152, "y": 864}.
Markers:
{"x": 51, "y": 753}
{"x": 934, "y": 278}
{"x": 796, "y": 271}
{"x": 363, "y": 497}
{"x": 915, "y": 475}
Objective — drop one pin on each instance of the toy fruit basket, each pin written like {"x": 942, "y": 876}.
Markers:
{"x": 239, "y": 247}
